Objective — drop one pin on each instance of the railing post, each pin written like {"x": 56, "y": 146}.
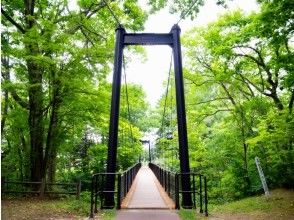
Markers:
{"x": 126, "y": 183}
{"x": 92, "y": 198}
{"x": 200, "y": 183}
{"x": 194, "y": 191}
{"x": 2, "y": 184}
{"x": 128, "y": 180}
{"x": 96, "y": 194}
{"x": 168, "y": 186}
{"x": 118, "y": 191}
{"x": 161, "y": 177}
{"x": 205, "y": 197}
{"x": 42, "y": 187}
{"x": 165, "y": 180}
{"x": 177, "y": 191}
{"x": 78, "y": 189}
{"x": 123, "y": 185}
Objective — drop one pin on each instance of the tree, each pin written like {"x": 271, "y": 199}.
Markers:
{"x": 55, "y": 58}
{"x": 236, "y": 74}
{"x": 188, "y": 8}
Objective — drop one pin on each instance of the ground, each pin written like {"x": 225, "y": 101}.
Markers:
{"x": 36, "y": 209}
{"x": 279, "y": 206}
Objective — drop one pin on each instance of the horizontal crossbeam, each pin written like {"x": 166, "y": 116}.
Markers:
{"x": 148, "y": 39}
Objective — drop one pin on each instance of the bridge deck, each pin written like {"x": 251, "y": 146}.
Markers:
{"x": 147, "y": 200}
{"x": 147, "y": 193}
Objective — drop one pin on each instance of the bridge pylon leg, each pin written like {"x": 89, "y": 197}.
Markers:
{"x": 114, "y": 115}
{"x": 181, "y": 116}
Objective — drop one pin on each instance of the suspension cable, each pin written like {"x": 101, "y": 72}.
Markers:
{"x": 171, "y": 109}
{"x": 127, "y": 98}
{"x": 171, "y": 119}
{"x": 166, "y": 93}
{"x": 112, "y": 13}
{"x": 124, "y": 139}
{"x": 183, "y": 15}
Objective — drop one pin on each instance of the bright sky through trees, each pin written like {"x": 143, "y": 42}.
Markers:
{"x": 153, "y": 72}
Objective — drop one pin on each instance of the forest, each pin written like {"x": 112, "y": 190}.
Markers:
{"x": 56, "y": 59}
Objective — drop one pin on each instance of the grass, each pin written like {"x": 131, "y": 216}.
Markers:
{"x": 280, "y": 205}
{"x": 187, "y": 214}
{"x": 107, "y": 215}
{"x": 35, "y": 208}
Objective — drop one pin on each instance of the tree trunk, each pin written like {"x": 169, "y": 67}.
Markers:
{"x": 36, "y": 125}
{"x": 36, "y": 117}
{"x": 6, "y": 76}
{"x": 52, "y": 134}
{"x": 21, "y": 154}
{"x": 52, "y": 168}
{"x": 277, "y": 101}
{"x": 51, "y": 147}
{"x": 245, "y": 147}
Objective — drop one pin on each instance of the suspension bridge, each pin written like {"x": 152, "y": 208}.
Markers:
{"x": 148, "y": 187}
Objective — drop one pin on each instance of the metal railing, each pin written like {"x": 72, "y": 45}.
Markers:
{"x": 123, "y": 183}
{"x": 29, "y": 187}
{"x": 167, "y": 179}
{"x": 127, "y": 179}
{"x": 171, "y": 183}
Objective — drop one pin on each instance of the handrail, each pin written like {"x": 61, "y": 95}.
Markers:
{"x": 170, "y": 181}
{"x": 167, "y": 179}
{"x": 124, "y": 181}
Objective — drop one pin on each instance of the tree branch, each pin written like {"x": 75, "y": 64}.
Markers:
{"x": 10, "y": 19}
{"x": 260, "y": 62}
{"x": 92, "y": 32}
{"x": 87, "y": 37}
{"x": 213, "y": 113}
{"x": 245, "y": 94}
{"x": 19, "y": 100}
{"x": 228, "y": 94}
{"x": 89, "y": 13}
{"x": 200, "y": 84}
{"x": 6, "y": 76}
{"x": 207, "y": 101}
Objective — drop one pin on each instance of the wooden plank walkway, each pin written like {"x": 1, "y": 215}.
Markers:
{"x": 147, "y": 200}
